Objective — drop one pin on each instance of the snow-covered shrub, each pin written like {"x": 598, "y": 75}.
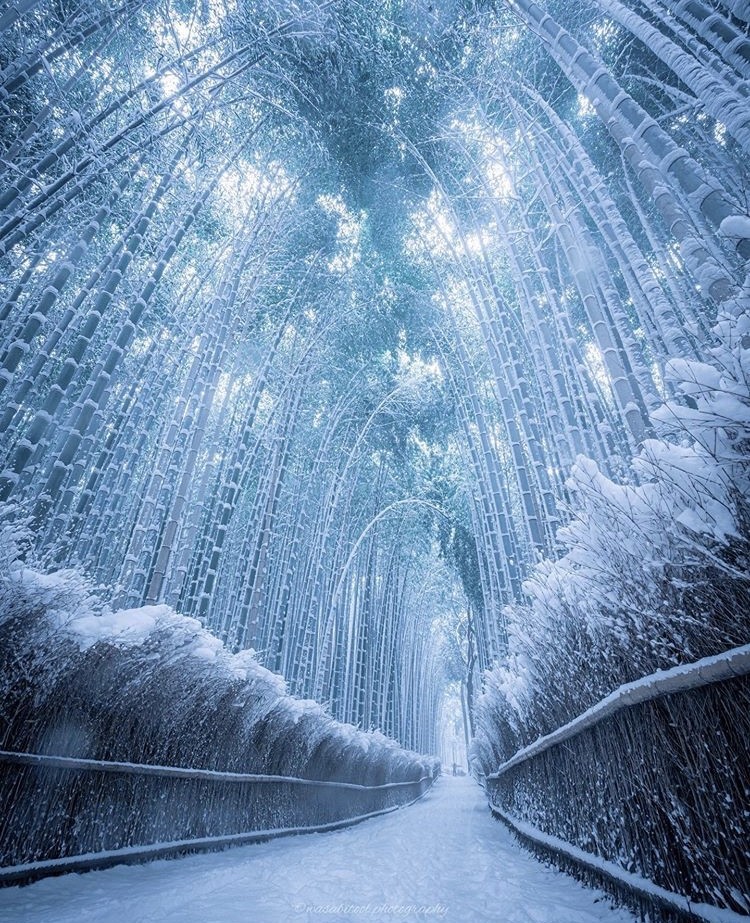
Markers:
{"x": 150, "y": 686}
{"x": 655, "y": 573}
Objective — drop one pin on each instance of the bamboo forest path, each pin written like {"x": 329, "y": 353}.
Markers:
{"x": 444, "y": 858}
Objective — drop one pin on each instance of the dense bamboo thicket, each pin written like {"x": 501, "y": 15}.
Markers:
{"x": 406, "y": 343}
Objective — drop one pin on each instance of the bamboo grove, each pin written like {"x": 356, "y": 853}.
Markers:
{"x": 310, "y": 308}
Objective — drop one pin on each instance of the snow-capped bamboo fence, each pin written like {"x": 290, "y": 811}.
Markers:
{"x": 647, "y": 791}
{"x": 65, "y": 814}
{"x": 136, "y": 734}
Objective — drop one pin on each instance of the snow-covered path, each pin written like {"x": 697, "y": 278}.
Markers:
{"x": 443, "y": 859}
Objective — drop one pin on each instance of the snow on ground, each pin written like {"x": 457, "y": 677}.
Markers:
{"x": 442, "y": 859}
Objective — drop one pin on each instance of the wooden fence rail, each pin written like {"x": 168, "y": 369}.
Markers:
{"x": 64, "y": 813}
{"x": 648, "y": 792}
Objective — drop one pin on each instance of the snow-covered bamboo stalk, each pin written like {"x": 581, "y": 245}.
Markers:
{"x": 633, "y": 129}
